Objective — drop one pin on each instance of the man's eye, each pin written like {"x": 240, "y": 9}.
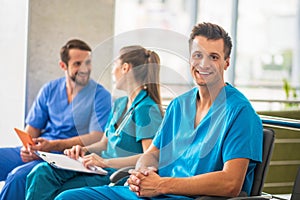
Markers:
{"x": 197, "y": 56}
{"x": 213, "y": 57}
{"x": 88, "y": 62}
{"x": 77, "y": 64}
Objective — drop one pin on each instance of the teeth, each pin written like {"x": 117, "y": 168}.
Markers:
{"x": 204, "y": 73}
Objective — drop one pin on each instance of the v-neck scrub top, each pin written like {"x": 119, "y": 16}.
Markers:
{"x": 58, "y": 119}
{"x": 140, "y": 121}
{"x": 231, "y": 129}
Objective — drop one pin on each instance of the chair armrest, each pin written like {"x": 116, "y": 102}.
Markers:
{"x": 264, "y": 197}
{"x": 250, "y": 198}
{"x": 235, "y": 198}
{"x": 119, "y": 175}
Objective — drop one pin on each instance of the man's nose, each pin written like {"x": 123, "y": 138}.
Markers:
{"x": 84, "y": 68}
{"x": 204, "y": 62}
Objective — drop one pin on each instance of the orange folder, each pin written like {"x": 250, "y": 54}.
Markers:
{"x": 24, "y": 137}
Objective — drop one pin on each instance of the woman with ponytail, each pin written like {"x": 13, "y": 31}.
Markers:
{"x": 131, "y": 126}
{"x": 145, "y": 66}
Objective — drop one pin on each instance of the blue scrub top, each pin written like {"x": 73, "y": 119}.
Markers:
{"x": 59, "y": 119}
{"x": 140, "y": 121}
{"x": 231, "y": 129}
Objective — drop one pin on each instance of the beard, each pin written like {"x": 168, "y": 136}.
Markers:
{"x": 80, "y": 78}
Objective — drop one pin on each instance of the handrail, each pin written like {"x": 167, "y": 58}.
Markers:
{"x": 281, "y": 122}
{"x": 275, "y": 101}
{"x": 271, "y": 121}
{"x": 287, "y": 124}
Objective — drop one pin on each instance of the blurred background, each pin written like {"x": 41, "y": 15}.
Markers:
{"x": 265, "y": 61}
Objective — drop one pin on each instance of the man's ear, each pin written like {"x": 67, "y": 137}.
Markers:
{"x": 125, "y": 68}
{"x": 227, "y": 63}
{"x": 63, "y": 65}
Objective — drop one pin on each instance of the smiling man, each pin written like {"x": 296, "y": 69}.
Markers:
{"x": 68, "y": 111}
{"x": 210, "y": 139}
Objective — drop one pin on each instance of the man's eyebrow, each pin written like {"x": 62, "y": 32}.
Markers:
{"x": 197, "y": 51}
{"x": 208, "y": 53}
{"x": 215, "y": 53}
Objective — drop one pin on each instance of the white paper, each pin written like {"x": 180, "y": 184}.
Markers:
{"x": 62, "y": 161}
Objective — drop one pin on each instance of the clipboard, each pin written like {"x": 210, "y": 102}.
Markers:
{"x": 62, "y": 161}
{"x": 24, "y": 137}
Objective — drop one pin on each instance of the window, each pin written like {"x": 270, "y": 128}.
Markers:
{"x": 266, "y": 44}
{"x": 167, "y": 24}
{"x": 266, "y": 40}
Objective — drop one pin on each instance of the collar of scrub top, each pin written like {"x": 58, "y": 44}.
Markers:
{"x": 123, "y": 120}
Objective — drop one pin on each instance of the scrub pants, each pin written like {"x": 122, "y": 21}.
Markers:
{"x": 14, "y": 171}
{"x": 109, "y": 193}
{"x": 46, "y": 182}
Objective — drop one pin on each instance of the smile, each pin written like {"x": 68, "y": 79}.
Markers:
{"x": 82, "y": 74}
{"x": 203, "y": 72}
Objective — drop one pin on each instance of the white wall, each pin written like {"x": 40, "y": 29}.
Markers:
{"x": 13, "y": 51}
{"x": 31, "y": 35}
{"x": 52, "y": 24}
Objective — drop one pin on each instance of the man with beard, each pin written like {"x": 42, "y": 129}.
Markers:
{"x": 68, "y": 111}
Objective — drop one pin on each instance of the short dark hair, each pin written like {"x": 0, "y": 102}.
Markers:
{"x": 72, "y": 44}
{"x": 212, "y": 32}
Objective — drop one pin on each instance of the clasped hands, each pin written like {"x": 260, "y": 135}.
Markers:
{"x": 145, "y": 182}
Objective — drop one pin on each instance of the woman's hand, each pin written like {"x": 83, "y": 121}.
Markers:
{"x": 76, "y": 151}
{"x": 94, "y": 160}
